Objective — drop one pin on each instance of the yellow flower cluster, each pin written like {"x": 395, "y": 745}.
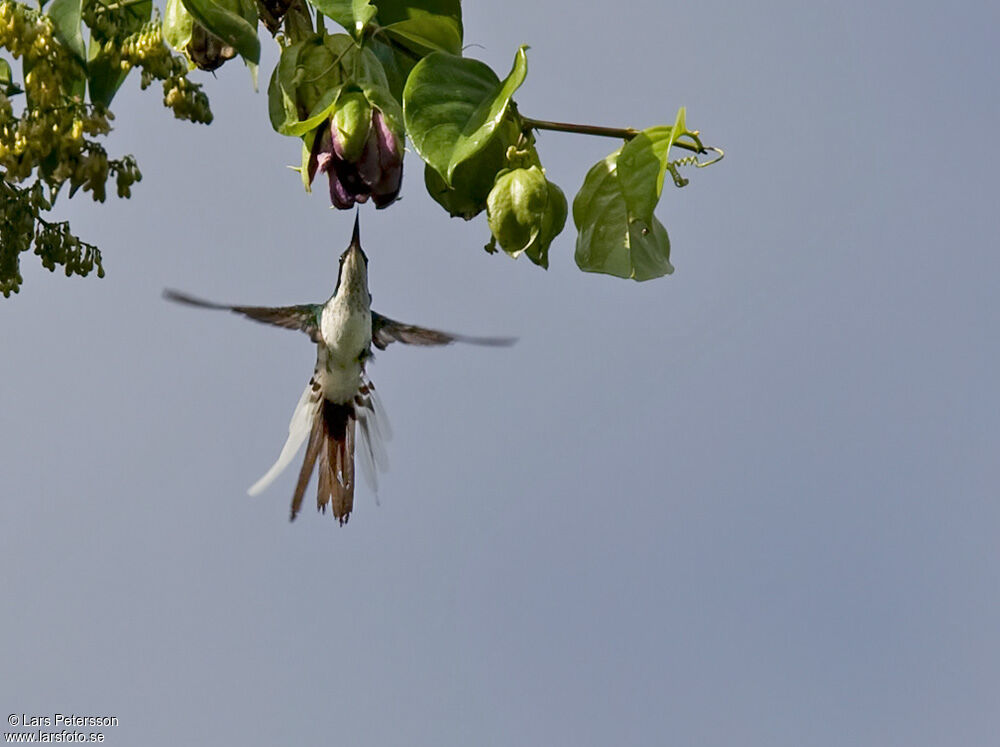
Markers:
{"x": 49, "y": 134}
{"x": 53, "y": 124}
{"x": 25, "y": 32}
{"x": 147, "y": 51}
{"x": 56, "y": 127}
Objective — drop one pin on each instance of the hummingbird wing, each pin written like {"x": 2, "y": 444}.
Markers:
{"x": 386, "y": 330}
{"x": 305, "y": 317}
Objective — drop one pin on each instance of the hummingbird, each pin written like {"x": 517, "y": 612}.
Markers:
{"x": 339, "y": 400}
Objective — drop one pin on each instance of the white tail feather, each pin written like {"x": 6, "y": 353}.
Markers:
{"x": 298, "y": 432}
{"x": 375, "y": 431}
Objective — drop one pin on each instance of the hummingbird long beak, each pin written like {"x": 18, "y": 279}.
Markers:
{"x": 356, "y": 237}
{"x": 353, "y": 277}
{"x": 355, "y": 246}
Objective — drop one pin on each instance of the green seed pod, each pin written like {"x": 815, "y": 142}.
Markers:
{"x": 553, "y": 222}
{"x": 352, "y": 120}
{"x": 526, "y": 212}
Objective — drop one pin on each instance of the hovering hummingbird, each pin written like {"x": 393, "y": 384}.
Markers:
{"x": 339, "y": 397}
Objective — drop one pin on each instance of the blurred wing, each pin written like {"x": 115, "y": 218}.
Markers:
{"x": 304, "y": 318}
{"x": 386, "y": 330}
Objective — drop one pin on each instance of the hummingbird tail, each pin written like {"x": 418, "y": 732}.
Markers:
{"x": 336, "y": 460}
{"x": 331, "y": 431}
{"x": 331, "y": 450}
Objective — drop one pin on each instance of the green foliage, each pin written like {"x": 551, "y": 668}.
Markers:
{"x": 478, "y": 149}
{"x": 611, "y": 240}
{"x": 352, "y": 98}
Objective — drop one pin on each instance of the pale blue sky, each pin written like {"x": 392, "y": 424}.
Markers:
{"x": 754, "y": 503}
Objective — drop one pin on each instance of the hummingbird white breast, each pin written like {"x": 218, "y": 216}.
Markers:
{"x": 346, "y": 331}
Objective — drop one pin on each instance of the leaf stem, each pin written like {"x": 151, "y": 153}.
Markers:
{"x": 623, "y": 133}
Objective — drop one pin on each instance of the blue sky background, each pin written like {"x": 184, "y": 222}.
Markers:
{"x": 754, "y": 503}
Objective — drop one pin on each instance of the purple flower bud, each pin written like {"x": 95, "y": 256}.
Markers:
{"x": 369, "y": 169}
{"x": 338, "y": 144}
{"x": 339, "y": 196}
{"x": 321, "y": 153}
{"x": 377, "y": 172}
{"x": 389, "y": 146}
{"x": 386, "y": 188}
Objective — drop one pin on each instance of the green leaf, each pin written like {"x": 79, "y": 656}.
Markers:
{"x": 280, "y": 103}
{"x": 104, "y": 75}
{"x": 7, "y": 85}
{"x": 137, "y": 15}
{"x": 178, "y": 25}
{"x": 394, "y": 11}
{"x": 453, "y": 105}
{"x": 642, "y": 166}
{"x": 369, "y": 76}
{"x": 303, "y": 170}
{"x": 298, "y": 21}
{"x": 65, "y": 15}
{"x": 425, "y": 34}
{"x": 311, "y": 75}
{"x": 305, "y": 79}
{"x": 353, "y": 15}
{"x": 413, "y": 29}
{"x": 471, "y": 183}
{"x": 612, "y": 239}
{"x": 231, "y": 27}
{"x": 396, "y": 64}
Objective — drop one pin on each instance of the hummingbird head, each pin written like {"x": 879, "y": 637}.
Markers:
{"x": 353, "y": 277}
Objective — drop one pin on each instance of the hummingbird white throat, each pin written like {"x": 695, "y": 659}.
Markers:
{"x": 339, "y": 400}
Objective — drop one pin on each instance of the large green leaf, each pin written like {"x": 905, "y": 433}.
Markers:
{"x": 353, "y": 15}
{"x": 612, "y": 239}
{"x": 642, "y": 166}
{"x": 452, "y": 106}
{"x": 231, "y": 27}
{"x": 65, "y": 15}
